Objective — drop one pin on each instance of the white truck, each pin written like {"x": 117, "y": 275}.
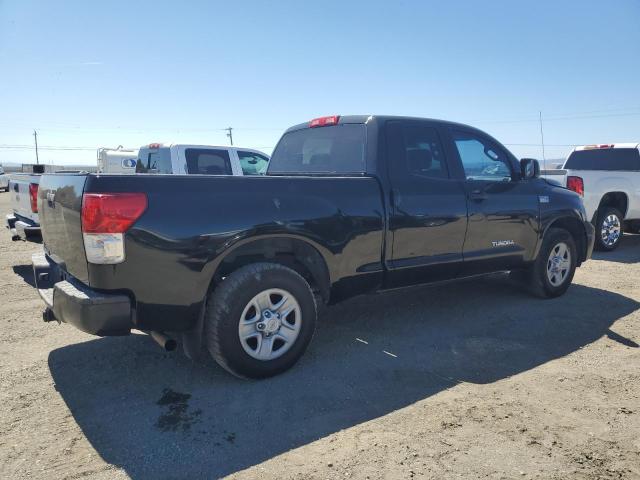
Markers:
{"x": 183, "y": 159}
{"x": 23, "y": 221}
{"x": 607, "y": 176}
{"x": 117, "y": 160}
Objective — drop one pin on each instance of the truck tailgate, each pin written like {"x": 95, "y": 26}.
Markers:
{"x": 60, "y": 206}
{"x": 21, "y": 197}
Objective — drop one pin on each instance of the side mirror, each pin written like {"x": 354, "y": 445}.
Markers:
{"x": 529, "y": 168}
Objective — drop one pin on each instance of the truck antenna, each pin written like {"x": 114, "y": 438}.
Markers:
{"x": 230, "y": 134}
{"x": 35, "y": 138}
{"x": 544, "y": 159}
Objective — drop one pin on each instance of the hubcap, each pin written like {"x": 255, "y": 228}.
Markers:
{"x": 559, "y": 264}
{"x": 610, "y": 231}
{"x": 270, "y": 324}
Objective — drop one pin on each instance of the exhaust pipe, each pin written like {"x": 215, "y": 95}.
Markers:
{"x": 168, "y": 344}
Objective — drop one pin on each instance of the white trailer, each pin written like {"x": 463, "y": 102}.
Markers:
{"x": 117, "y": 160}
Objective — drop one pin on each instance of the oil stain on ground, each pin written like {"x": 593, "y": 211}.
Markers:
{"x": 177, "y": 416}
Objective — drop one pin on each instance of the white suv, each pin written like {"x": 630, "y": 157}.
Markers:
{"x": 608, "y": 178}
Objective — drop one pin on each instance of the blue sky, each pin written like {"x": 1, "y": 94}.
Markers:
{"x": 89, "y": 74}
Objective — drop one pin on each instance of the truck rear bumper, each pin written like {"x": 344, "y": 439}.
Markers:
{"x": 70, "y": 301}
{"x": 22, "y": 230}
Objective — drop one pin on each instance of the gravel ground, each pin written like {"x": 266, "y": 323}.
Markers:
{"x": 471, "y": 380}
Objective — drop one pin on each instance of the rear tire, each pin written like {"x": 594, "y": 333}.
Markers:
{"x": 608, "y": 229}
{"x": 551, "y": 274}
{"x": 260, "y": 320}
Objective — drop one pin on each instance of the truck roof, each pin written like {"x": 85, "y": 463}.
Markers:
{"x": 367, "y": 118}
{"x": 221, "y": 147}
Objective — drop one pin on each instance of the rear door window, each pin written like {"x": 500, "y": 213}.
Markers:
{"x": 253, "y": 163}
{"x": 415, "y": 150}
{"x": 206, "y": 161}
{"x": 338, "y": 149}
{"x": 621, "y": 159}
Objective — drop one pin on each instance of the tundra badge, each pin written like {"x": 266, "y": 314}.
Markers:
{"x": 502, "y": 243}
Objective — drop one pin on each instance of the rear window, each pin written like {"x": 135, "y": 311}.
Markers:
{"x": 604, "y": 159}
{"x": 208, "y": 162}
{"x": 337, "y": 149}
{"x": 154, "y": 161}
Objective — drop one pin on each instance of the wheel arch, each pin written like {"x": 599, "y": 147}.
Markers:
{"x": 614, "y": 199}
{"x": 291, "y": 251}
{"x": 577, "y": 230}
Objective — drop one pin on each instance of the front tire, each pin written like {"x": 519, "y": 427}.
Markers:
{"x": 552, "y": 273}
{"x": 608, "y": 229}
{"x": 260, "y": 320}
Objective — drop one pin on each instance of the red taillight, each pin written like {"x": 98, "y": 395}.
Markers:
{"x": 111, "y": 212}
{"x": 324, "y": 121}
{"x": 576, "y": 184}
{"x": 33, "y": 196}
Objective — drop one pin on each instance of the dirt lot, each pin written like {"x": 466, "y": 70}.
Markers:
{"x": 472, "y": 380}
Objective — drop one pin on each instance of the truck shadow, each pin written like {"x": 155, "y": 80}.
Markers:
{"x": 627, "y": 252}
{"x": 159, "y": 415}
{"x": 26, "y": 273}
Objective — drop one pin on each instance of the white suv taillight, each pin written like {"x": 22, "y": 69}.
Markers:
{"x": 105, "y": 219}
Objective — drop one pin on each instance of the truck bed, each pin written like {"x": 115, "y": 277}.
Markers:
{"x": 192, "y": 219}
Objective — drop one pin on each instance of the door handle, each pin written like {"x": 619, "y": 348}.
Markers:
{"x": 478, "y": 195}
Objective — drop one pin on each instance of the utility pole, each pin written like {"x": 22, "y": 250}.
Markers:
{"x": 35, "y": 138}
{"x": 544, "y": 159}
{"x": 230, "y": 134}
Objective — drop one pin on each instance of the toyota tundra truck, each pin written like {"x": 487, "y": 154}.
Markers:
{"x": 350, "y": 205}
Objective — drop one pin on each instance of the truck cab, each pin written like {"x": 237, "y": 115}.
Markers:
{"x": 180, "y": 159}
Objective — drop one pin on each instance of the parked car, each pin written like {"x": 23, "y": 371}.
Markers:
{"x": 201, "y": 159}
{"x": 117, "y": 160}
{"x": 608, "y": 178}
{"x": 23, "y": 221}
{"x": 350, "y": 205}
{"x": 4, "y": 180}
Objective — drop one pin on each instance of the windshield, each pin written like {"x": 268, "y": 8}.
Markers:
{"x": 604, "y": 159}
{"x": 336, "y": 149}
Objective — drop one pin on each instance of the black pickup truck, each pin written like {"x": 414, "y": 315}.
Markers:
{"x": 350, "y": 205}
